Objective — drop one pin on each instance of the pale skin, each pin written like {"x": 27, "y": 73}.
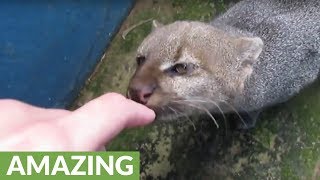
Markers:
{"x": 27, "y": 128}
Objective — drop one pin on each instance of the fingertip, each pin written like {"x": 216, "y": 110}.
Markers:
{"x": 150, "y": 114}
{"x": 143, "y": 115}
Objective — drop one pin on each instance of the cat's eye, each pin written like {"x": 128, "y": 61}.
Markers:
{"x": 140, "y": 60}
{"x": 181, "y": 69}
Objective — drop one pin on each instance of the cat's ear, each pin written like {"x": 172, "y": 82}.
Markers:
{"x": 249, "y": 49}
{"x": 248, "y": 52}
{"x": 156, "y": 24}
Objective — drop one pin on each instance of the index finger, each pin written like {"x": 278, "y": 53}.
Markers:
{"x": 101, "y": 119}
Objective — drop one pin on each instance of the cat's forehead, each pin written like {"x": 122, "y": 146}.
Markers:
{"x": 166, "y": 38}
{"x": 169, "y": 45}
{"x": 162, "y": 53}
{"x": 165, "y": 43}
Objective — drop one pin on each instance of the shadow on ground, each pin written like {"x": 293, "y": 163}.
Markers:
{"x": 284, "y": 145}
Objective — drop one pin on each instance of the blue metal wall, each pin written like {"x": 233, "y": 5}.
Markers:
{"x": 49, "y": 48}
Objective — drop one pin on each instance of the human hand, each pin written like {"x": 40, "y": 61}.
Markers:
{"x": 27, "y": 128}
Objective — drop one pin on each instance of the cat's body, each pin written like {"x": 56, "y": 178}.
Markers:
{"x": 290, "y": 60}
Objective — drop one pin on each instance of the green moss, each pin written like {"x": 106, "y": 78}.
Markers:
{"x": 190, "y": 9}
{"x": 305, "y": 148}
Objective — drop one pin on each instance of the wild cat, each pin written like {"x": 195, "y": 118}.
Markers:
{"x": 257, "y": 54}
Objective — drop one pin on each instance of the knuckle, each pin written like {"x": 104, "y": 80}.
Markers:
{"x": 113, "y": 97}
{"x": 108, "y": 100}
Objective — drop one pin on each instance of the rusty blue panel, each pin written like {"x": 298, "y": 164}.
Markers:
{"x": 49, "y": 48}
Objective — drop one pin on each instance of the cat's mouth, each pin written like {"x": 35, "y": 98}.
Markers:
{"x": 170, "y": 112}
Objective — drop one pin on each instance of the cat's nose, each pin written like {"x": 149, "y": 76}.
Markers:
{"x": 141, "y": 93}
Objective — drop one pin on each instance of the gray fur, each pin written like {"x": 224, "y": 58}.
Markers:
{"x": 290, "y": 60}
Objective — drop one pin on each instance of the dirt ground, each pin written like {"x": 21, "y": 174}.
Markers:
{"x": 284, "y": 145}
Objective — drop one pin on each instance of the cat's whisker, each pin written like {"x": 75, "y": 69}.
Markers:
{"x": 180, "y": 113}
{"x": 212, "y": 102}
{"x": 209, "y": 101}
{"x": 236, "y": 111}
{"x": 203, "y": 109}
